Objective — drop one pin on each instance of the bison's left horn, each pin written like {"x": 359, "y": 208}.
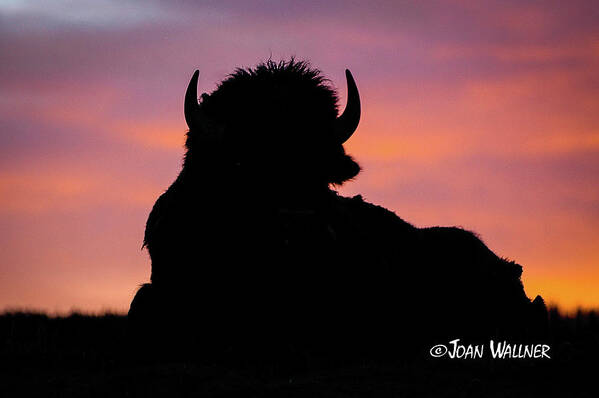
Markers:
{"x": 192, "y": 108}
{"x": 347, "y": 123}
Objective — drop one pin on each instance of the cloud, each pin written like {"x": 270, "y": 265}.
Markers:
{"x": 86, "y": 13}
{"x": 481, "y": 115}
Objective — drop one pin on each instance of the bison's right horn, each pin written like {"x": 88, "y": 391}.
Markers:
{"x": 192, "y": 108}
{"x": 347, "y": 123}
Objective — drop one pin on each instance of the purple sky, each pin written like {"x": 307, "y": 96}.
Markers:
{"x": 479, "y": 114}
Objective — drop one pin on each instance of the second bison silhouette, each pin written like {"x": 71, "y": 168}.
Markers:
{"x": 252, "y": 245}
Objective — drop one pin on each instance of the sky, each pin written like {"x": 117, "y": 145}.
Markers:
{"x": 480, "y": 114}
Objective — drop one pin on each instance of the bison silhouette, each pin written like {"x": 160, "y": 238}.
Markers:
{"x": 252, "y": 246}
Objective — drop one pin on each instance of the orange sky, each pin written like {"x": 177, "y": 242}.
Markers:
{"x": 478, "y": 114}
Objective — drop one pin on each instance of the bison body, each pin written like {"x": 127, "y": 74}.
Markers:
{"x": 252, "y": 246}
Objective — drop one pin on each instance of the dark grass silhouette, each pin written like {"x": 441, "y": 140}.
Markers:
{"x": 254, "y": 252}
{"x": 90, "y": 356}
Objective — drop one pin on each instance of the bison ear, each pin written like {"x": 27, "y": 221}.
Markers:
{"x": 347, "y": 123}
{"x": 192, "y": 108}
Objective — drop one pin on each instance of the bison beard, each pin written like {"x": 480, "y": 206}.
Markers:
{"x": 251, "y": 247}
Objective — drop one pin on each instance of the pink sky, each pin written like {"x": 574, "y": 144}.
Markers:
{"x": 478, "y": 114}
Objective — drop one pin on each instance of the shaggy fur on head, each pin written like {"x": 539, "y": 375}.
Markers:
{"x": 275, "y": 123}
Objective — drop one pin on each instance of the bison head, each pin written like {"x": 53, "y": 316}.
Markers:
{"x": 276, "y": 123}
